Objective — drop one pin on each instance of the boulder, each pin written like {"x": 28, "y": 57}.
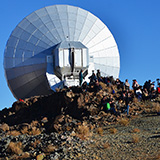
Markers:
{"x": 4, "y": 127}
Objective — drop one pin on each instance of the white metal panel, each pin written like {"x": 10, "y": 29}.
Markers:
{"x": 63, "y": 16}
{"x": 27, "y": 53}
{"x": 45, "y": 19}
{"x": 8, "y": 62}
{"x": 33, "y": 40}
{"x": 25, "y": 36}
{"x": 32, "y": 17}
{"x": 72, "y": 10}
{"x": 30, "y": 28}
{"x": 19, "y": 53}
{"x": 38, "y": 34}
{"x": 78, "y": 57}
{"x": 72, "y": 16}
{"x": 89, "y": 37}
{"x": 17, "y": 32}
{"x": 52, "y": 10}
{"x": 82, "y": 12}
{"x": 8, "y": 52}
{"x": 12, "y": 42}
{"x": 43, "y": 29}
{"x": 61, "y": 8}
{"x": 61, "y": 33}
{"x": 84, "y": 33}
{"x": 54, "y": 17}
{"x": 41, "y": 12}
{"x": 84, "y": 57}
{"x": 66, "y": 58}
{"x": 18, "y": 61}
{"x": 56, "y": 35}
{"x": 97, "y": 47}
{"x": 91, "y": 17}
{"x": 65, "y": 27}
{"x": 61, "y": 58}
{"x": 91, "y": 43}
{"x": 114, "y": 51}
{"x": 107, "y": 43}
{"x": 24, "y": 24}
{"x": 99, "y": 24}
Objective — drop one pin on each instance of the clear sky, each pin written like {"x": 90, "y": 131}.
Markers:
{"x": 135, "y": 25}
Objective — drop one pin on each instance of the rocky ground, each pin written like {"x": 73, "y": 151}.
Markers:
{"x": 70, "y": 124}
{"x": 140, "y": 139}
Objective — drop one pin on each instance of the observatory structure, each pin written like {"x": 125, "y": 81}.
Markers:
{"x": 49, "y": 47}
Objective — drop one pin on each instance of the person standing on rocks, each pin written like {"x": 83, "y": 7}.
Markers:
{"x": 145, "y": 94}
{"x": 139, "y": 93}
{"x": 127, "y": 85}
{"x": 120, "y": 84}
{"x": 80, "y": 77}
{"x": 135, "y": 85}
{"x": 98, "y": 74}
{"x": 92, "y": 78}
{"x": 127, "y": 99}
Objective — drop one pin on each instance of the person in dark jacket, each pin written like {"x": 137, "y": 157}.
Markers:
{"x": 127, "y": 100}
{"x": 80, "y": 77}
{"x": 93, "y": 77}
{"x": 98, "y": 74}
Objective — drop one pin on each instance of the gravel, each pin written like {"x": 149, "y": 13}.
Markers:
{"x": 125, "y": 144}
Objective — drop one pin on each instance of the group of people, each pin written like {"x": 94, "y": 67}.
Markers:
{"x": 94, "y": 81}
{"x": 145, "y": 92}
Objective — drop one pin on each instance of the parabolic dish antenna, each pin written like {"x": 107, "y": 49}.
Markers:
{"x": 51, "y": 45}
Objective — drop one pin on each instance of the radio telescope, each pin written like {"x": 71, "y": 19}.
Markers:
{"x": 51, "y": 45}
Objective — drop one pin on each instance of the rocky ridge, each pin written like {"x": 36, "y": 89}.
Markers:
{"x": 70, "y": 124}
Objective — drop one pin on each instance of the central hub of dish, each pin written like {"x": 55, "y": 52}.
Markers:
{"x": 69, "y": 58}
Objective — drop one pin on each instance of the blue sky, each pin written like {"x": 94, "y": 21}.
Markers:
{"x": 135, "y": 25}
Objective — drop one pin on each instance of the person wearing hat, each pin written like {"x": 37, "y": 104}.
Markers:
{"x": 135, "y": 85}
